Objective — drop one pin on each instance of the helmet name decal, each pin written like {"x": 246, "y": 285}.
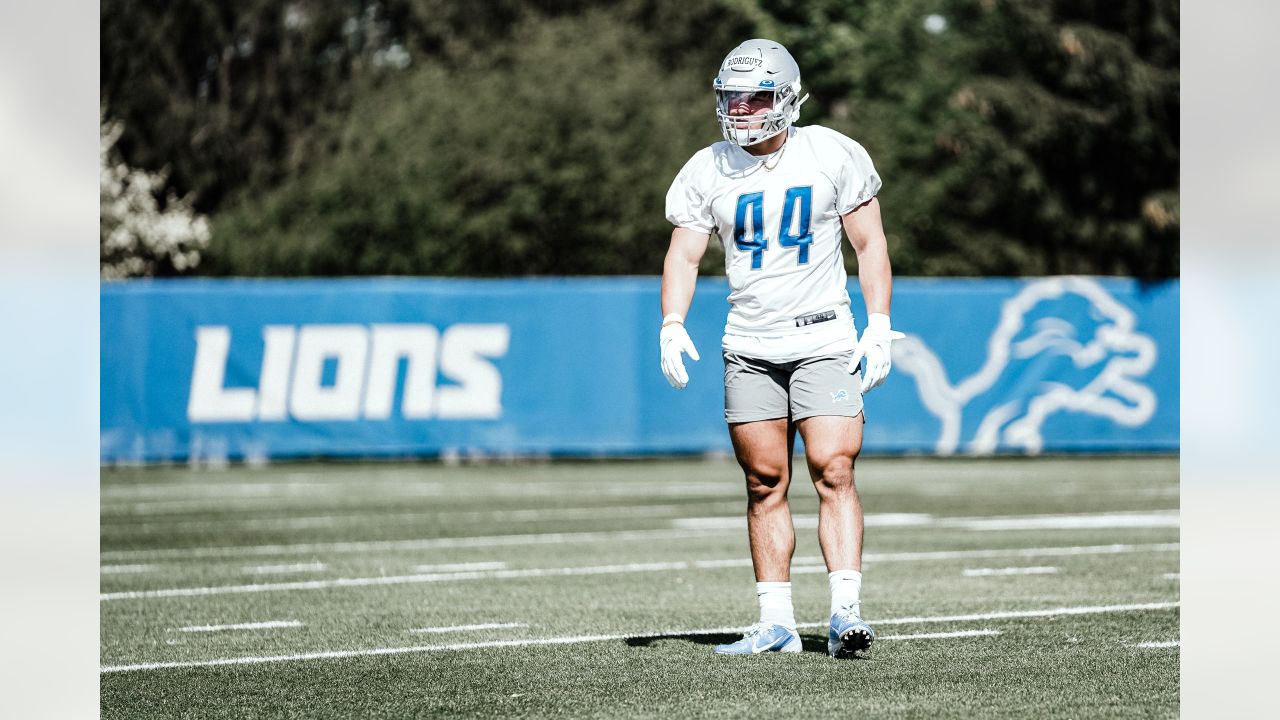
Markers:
{"x": 743, "y": 62}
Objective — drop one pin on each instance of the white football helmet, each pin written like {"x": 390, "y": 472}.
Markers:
{"x": 759, "y": 80}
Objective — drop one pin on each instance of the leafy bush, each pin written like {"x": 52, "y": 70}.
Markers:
{"x": 137, "y": 235}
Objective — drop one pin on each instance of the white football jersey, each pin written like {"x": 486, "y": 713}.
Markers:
{"x": 781, "y": 230}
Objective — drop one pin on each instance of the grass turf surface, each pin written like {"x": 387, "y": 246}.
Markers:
{"x": 362, "y": 554}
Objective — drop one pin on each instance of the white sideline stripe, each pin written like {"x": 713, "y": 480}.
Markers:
{"x": 398, "y": 580}
{"x": 461, "y": 628}
{"x": 1116, "y": 548}
{"x": 405, "y": 487}
{"x": 333, "y": 654}
{"x": 941, "y": 635}
{"x": 1008, "y": 614}
{"x": 1161, "y": 644}
{"x": 308, "y": 522}
{"x": 804, "y": 565}
{"x": 255, "y": 500}
{"x": 485, "y": 541}
{"x": 296, "y": 567}
{"x": 242, "y": 626}
{"x": 126, "y": 569}
{"x": 117, "y": 512}
{"x": 984, "y": 572}
{"x": 1094, "y": 521}
{"x": 894, "y": 519}
{"x": 453, "y": 567}
{"x": 811, "y": 569}
{"x": 127, "y": 492}
{"x": 1158, "y": 519}
{"x": 738, "y": 522}
{"x": 393, "y": 545}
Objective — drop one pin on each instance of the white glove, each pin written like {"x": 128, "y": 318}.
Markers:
{"x": 674, "y": 340}
{"x": 874, "y": 345}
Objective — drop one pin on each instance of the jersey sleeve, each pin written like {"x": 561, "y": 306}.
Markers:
{"x": 687, "y": 205}
{"x": 856, "y": 179}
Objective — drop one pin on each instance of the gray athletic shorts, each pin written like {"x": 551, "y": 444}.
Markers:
{"x": 764, "y": 390}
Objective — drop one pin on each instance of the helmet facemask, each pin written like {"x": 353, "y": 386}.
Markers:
{"x": 751, "y": 115}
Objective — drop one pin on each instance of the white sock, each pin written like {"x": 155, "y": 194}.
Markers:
{"x": 775, "y": 604}
{"x": 846, "y": 585}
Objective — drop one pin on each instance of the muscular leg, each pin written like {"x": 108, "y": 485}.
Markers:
{"x": 763, "y": 450}
{"x": 832, "y": 443}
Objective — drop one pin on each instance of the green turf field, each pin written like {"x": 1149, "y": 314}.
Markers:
{"x": 1007, "y": 588}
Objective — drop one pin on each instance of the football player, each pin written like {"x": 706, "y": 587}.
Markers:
{"x": 779, "y": 196}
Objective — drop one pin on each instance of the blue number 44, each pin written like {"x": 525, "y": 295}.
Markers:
{"x": 791, "y": 234}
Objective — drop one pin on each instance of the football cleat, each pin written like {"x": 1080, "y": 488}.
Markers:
{"x": 849, "y": 634}
{"x": 763, "y": 638}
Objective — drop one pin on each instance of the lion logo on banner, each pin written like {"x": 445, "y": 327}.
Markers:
{"x": 1039, "y": 363}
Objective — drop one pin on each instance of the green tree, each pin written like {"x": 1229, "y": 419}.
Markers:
{"x": 1015, "y": 137}
{"x": 554, "y": 157}
{"x": 422, "y": 136}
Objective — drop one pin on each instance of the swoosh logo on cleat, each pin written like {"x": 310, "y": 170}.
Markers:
{"x": 769, "y": 646}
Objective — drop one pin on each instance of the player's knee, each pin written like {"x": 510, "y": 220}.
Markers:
{"x": 762, "y": 499}
{"x": 765, "y": 482}
{"x": 835, "y": 472}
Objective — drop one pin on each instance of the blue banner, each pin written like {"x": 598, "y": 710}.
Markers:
{"x": 212, "y": 370}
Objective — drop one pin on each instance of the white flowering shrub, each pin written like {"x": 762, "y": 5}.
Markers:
{"x": 139, "y": 238}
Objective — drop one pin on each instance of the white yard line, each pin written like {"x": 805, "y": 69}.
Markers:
{"x": 986, "y": 572}
{"x": 127, "y": 569}
{"x": 310, "y": 522}
{"x": 1067, "y": 551}
{"x": 459, "y": 567}
{"x": 739, "y": 521}
{"x": 220, "y": 490}
{"x": 684, "y": 528}
{"x": 1094, "y": 521}
{"x": 1162, "y": 644}
{"x": 268, "y": 625}
{"x": 940, "y": 636}
{"x": 805, "y": 565}
{"x": 1009, "y": 614}
{"x": 333, "y": 654}
{"x": 278, "y": 569}
{"x": 125, "y": 495}
{"x": 895, "y": 519}
{"x": 122, "y": 502}
{"x": 464, "y": 628}
{"x": 399, "y": 580}
{"x": 1171, "y": 576}
{"x": 365, "y": 546}
{"x": 576, "y": 639}
{"x": 118, "y": 512}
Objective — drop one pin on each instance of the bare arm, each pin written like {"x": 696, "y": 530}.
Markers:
{"x": 680, "y": 270}
{"x": 866, "y": 234}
